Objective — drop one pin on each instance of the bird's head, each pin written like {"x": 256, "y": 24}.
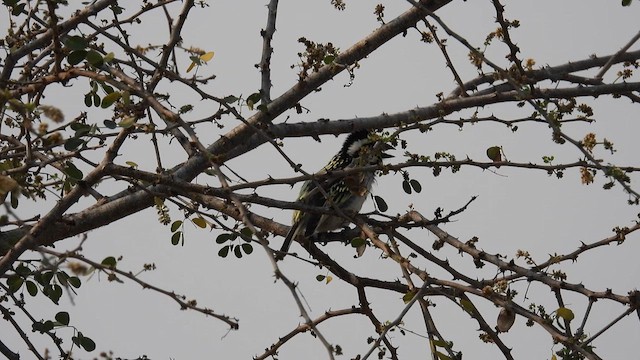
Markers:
{"x": 366, "y": 145}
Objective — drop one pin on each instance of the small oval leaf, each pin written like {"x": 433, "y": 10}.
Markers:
{"x": 109, "y": 99}
{"x": 176, "y": 237}
{"x": 406, "y": 186}
{"x": 176, "y": 225}
{"x": 87, "y": 344}
{"x": 357, "y": 242}
{"x": 127, "y": 122}
{"x": 95, "y": 58}
{"x": 565, "y": 313}
{"x": 494, "y": 153}
{"x": 222, "y": 238}
{"x": 237, "y": 251}
{"x": 32, "y": 288}
{"x": 224, "y": 251}
{"x": 14, "y": 282}
{"x": 207, "y": 56}
{"x": 76, "y": 43}
{"x": 415, "y": 185}
{"x": 110, "y": 124}
{"x": 247, "y": 248}
{"x": 109, "y": 261}
{"x": 381, "y": 204}
{"x": 76, "y": 57}
{"x": 199, "y": 222}
{"x": 63, "y": 318}
{"x": 73, "y": 143}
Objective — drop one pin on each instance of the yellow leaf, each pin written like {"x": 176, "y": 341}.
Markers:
{"x": 565, "y": 313}
{"x": 200, "y": 222}
{"x": 207, "y": 56}
{"x": 328, "y": 279}
{"x": 193, "y": 64}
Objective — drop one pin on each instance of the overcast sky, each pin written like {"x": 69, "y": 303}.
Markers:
{"x": 515, "y": 210}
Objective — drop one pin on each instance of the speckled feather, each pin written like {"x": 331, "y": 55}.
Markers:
{"x": 348, "y": 193}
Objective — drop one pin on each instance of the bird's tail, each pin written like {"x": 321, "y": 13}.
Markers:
{"x": 287, "y": 241}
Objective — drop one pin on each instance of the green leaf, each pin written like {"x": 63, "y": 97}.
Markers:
{"x": 626, "y": 2}
{"x": 14, "y": 283}
{"x": 53, "y": 292}
{"x": 246, "y": 232}
{"x": 72, "y": 171}
{"x": 494, "y": 153}
{"x": 62, "y": 278}
{"x": 440, "y": 343}
{"x": 110, "y": 124}
{"x": 415, "y": 185}
{"x": 76, "y": 43}
{"x": 230, "y": 99}
{"x": 247, "y": 248}
{"x": 23, "y": 270}
{"x": 442, "y": 356}
{"x": 76, "y": 57}
{"x": 63, "y": 318}
{"x": 109, "y": 261}
{"x": 237, "y": 251}
{"x": 565, "y": 313}
{"x": 252, "y": 100}
{"x": 224, "y": 251}
{"x": 127, "y": 122}
{"x": 381, "y": 204}
{"x": 467, "y": 306}
{"x": 109, "y": 57}
{"x": 110, "y": 99}
{"x": 80, "y": 128}
{"x": 96, "y": 100}
{"x": 176, "y": 237}
{"x": 406, "y": 186}
{"x": 88, "y": 100}
{"x": 176, "y": 225}
{"x": 329, "y": 59}
{"x": 43, "y": 326}
{"x": 87, "y": 344}
{"x": 37, "y": 326}
{"x": 356, "y": 242}
{"x": 43, "y": 278}
{"x": 74, "y": 281}
{"x": 409, "y": 296}
{"x": 84, "y": 342}
{"x": 14, "y": 199}
{"x": 32, "y": 288}
{"x": 320, "y": 277}
{"x": 95, "y": 58}
{"x": 222, "y": 238}
{"x": 107, "y": 88}
{"x": 73, "y": 143}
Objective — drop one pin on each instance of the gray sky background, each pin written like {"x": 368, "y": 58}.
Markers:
{"x": 515, "y": 210}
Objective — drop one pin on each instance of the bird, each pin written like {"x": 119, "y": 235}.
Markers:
{"x": 347, "y": 193}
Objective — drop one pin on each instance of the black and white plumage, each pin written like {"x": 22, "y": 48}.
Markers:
{"x": 347, "y": 193}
